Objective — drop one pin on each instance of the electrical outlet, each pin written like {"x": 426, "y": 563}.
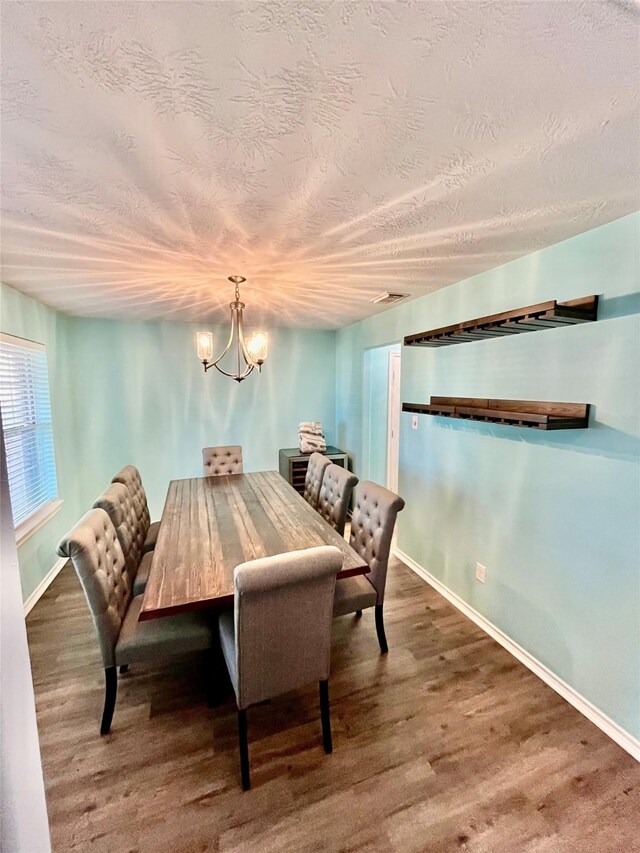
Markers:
{"x": 414, "y": 422}
{"x": 481, "y": 572}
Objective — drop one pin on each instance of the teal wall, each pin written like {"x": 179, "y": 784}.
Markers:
{"x": 144, "y": 398}
{"x": 553, "y": 517}
{"x": 135, "y": 392}
{"x": 375, "y": 413}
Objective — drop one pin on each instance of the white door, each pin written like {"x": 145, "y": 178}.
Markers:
{"x": 393, "y": 426}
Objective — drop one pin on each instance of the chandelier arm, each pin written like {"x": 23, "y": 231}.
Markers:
{"x": 237, "y": 376}
{"x": 243, "y": 346}
{"x": 236, "y": 326}
{"x": 229, "y": 342}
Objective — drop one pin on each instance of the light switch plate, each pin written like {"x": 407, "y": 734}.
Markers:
{"x": 414, "y": 422}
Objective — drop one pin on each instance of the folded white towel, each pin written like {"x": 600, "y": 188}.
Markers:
{"x": 312, "y": 427}
{"x": 311, "y": 444}
{"x": 310, "y": 437}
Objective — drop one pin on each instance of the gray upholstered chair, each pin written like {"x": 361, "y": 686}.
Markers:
{"x": 313, "y": 478}
{"x": 217, "y": 461}
{"x": 94, "y": 549}
{"x": 372, "y": 523}
{"x": 117, "y": 503}
{"x": 278, "y": 637}
{"x": 130, "y": 477}
{"x": 335, "y": 496}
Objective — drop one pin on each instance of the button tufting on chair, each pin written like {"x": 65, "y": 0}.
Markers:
{"x": 130, "y": 477}
{"x": 371, "y": 538}
{"x": 335, "y": 496}
{"x": 218, "y": 461}
{"x": 316, "y": 468}
{"x": 129, "y": 526}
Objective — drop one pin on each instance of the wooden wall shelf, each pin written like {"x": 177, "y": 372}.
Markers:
{"x": 533, "y": 318}
{"x": 522, "y": 413}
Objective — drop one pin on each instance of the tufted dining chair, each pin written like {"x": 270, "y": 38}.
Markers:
{"x": 372, "y": 524}
{"x": 116, "y": 501}
{"x": 94, "y": 549}
{"x": 278, "y": 636}
{"x": 130, "y": 477}
{"x": 335, "y": 496}
{"x": 222, "y": 460}
{"x": 313, "y": 478}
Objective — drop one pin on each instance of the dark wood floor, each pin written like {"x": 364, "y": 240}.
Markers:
{"x": 446, "y": 744}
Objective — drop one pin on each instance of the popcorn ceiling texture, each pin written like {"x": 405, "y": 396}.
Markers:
{"x": 327, "y": 151}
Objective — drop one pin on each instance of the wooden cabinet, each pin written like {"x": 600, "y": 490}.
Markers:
{"x": 293, "y": 464}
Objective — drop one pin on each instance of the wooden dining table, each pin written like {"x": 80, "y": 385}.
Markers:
{"x": 210, "y": 525}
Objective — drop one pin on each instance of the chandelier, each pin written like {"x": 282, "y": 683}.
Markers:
{"x": 250, "y": 353}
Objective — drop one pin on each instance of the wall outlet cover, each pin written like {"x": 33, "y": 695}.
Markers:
{"x": 481, "y": 572}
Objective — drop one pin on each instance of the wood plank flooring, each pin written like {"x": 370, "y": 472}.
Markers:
{"x": 446, "y": 744}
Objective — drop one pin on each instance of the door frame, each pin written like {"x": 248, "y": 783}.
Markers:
{"x": 393, "y": 419}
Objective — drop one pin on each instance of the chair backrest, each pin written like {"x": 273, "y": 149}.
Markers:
{"x": 372, "y": 522}
{"x": 93, "y": 547}
{"x": 222, "y": 460}
{"x": 313, "y": 478}
{"x": 116, "y": 501}
{"x": 283, "y": 612}
{"x": 130, "y": 477}
{"x": 335, "y": 495}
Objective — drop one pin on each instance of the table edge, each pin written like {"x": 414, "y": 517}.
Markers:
{"x": 222, "y": 602}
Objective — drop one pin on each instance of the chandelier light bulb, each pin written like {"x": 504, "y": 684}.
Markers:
{"x": 204, "y": 346}
{"x": 258, "y": 347}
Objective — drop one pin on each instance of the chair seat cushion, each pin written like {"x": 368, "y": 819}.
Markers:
{"x": 151, "y": 537}
{"x": 142, "y": 575}
{"x": 227, "y": 630}
{"x": 157, "y": 639}
{"x": 353, "y": 594}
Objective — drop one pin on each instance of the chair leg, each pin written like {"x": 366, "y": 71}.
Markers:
{"x": 110, "y": 691}
{"x": 326, "y": 717}
{"x": 382, "y": 639}
{"x": 358, "y": 614}
{"x": 124, "y": 668}
{"x": 243, "y": 745}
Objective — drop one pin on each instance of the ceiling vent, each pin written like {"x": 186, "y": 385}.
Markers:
{"x": 388, "y": 298}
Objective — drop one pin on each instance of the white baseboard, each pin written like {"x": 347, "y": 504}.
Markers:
{"x": 44, "y": 584}
{"x": 623, "y": 738}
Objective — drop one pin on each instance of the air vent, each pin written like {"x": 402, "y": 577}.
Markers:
{"x": 388, "y": 298}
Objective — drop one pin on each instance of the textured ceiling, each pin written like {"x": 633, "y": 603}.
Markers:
{"x": 327, "y": 151}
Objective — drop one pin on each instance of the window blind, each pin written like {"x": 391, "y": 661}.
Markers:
{"x": 26, "y": 417}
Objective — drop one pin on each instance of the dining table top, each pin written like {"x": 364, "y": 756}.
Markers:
{"x": 210, "y": 525}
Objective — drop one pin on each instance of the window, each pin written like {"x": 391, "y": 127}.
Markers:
{"x": 28, "y": 437}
